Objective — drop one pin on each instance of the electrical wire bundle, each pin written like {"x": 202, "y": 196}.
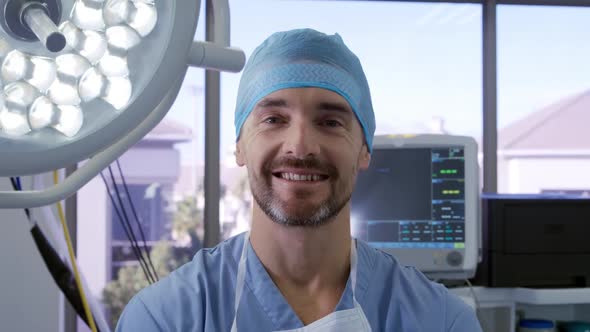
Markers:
{"x": 65, "y": 273}
{"x": 121, "y": 210}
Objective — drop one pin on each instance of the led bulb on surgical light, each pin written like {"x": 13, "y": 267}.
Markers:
{"x": 116, "y": 11}
{"x": 92, "y": 85}
{"x": 94, "y": 46}
{"x": 143, "y": 19}
{"x": 20, "y": 94}
{"x": 64, "y": 93}
{"x": 114, "y": 63}
{"x": 114, "y": 90}
{"x": 118, "y": 92}
{"x": 64, "y": 118}
{"x": 13, "y": 123}
{"x": 37, "y": 71}
{"x": 140, "y": 15}
{"x": 70, "y": 68}
{"x": 122, "y": 37}
{"x": 72, "y": 33}
{"x": 41, "y": 113}
{"x": 14, "y": 113}
{"x": 90, "y": 44}
{"x": 72, "y": 65}
{"x": 69, "y": 120}
{"x": 14, "y": 66}
{"x": 87, "y": 14}
{"x": 43, "y": 73}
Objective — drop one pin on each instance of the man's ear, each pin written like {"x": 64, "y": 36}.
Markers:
{"x": 364, "y": 158}
{"x": 240, "y": 156}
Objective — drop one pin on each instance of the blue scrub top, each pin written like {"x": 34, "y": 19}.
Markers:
{"x": 199, "y": 296}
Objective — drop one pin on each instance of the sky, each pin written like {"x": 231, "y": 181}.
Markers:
{"x": 422, "y": 60}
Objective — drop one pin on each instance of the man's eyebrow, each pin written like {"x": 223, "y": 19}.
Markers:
{"x": 271, "y": 102}
{"x": 335, "y": 106}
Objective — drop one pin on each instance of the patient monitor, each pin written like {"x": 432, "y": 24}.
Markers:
{"x": 419, "y": 201}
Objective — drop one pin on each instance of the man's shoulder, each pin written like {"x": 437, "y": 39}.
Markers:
{"x": 207, "y": 266}
{"x": 212, "y": 261}
{"x": 193, "y": 283}
{"x": 181, "y": 297}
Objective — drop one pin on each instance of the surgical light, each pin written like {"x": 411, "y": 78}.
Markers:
{"x": 87, "y": 79}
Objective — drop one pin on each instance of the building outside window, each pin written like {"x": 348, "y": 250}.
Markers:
{"x": 543, "y": 99}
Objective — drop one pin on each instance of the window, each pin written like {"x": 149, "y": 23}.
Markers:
{"x": 423, "y": 62}
{"x": 150, "y": 205}
{"x": 543, "y": 99}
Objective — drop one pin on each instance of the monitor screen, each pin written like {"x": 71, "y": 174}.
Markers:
{"x": 411, "y": 198}
{"x": 419, "y": 201}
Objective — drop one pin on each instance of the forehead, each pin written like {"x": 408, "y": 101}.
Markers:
{"x": 316, "y": 98}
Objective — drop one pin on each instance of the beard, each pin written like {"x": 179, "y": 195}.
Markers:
{"x": 312, "y": 214}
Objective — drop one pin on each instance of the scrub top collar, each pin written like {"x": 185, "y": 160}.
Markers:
{"x": 274, "y": 304}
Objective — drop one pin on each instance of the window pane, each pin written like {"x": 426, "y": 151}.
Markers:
{"x": 543, "y": 99}
{"x": 423, "y": 62}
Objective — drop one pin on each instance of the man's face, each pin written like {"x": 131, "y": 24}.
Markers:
{"x": 303, "y": 148}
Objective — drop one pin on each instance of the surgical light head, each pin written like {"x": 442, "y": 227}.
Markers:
{"x": 305, "y": 58}
{"x": 84, "y": 79}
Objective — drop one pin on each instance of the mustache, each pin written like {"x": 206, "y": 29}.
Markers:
{"x": 309, "y": 163}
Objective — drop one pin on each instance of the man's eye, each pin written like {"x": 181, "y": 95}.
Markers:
{"x": 332, "y": 123}
{"x": 271, "y": 120}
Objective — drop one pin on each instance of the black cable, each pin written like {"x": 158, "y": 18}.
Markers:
{"x": 127, "y": 230}
{"x": 128, "y": 223}
{"x": 61, "y": 273}
{"x": 116, "y": 208}
{"x": 17, "y": 187}
{"x": 136, "y": 219}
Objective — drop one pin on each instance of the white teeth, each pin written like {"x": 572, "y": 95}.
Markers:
{"x": 300, "y": 177}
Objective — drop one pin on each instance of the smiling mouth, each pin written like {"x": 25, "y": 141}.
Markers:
{"x": 302, "y": 177}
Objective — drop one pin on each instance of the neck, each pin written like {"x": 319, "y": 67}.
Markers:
{"x": 304, "y": 258}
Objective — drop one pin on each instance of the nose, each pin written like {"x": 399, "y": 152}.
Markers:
{"x": 301, "y": 140}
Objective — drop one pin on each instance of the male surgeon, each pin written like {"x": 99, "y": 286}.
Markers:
{"x": 305, "y": 124}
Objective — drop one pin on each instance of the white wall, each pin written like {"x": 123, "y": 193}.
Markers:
{"x": 531, "y": 175}
{"x": 28, "y": 296}
{"x": 503, "y": 175}
{"x": 93, "y": 251}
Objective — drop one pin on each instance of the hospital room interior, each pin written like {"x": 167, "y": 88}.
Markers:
{"x": 119, "y": 158}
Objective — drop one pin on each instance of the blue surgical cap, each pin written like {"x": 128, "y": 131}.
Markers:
{"x": 305, "y": 58}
